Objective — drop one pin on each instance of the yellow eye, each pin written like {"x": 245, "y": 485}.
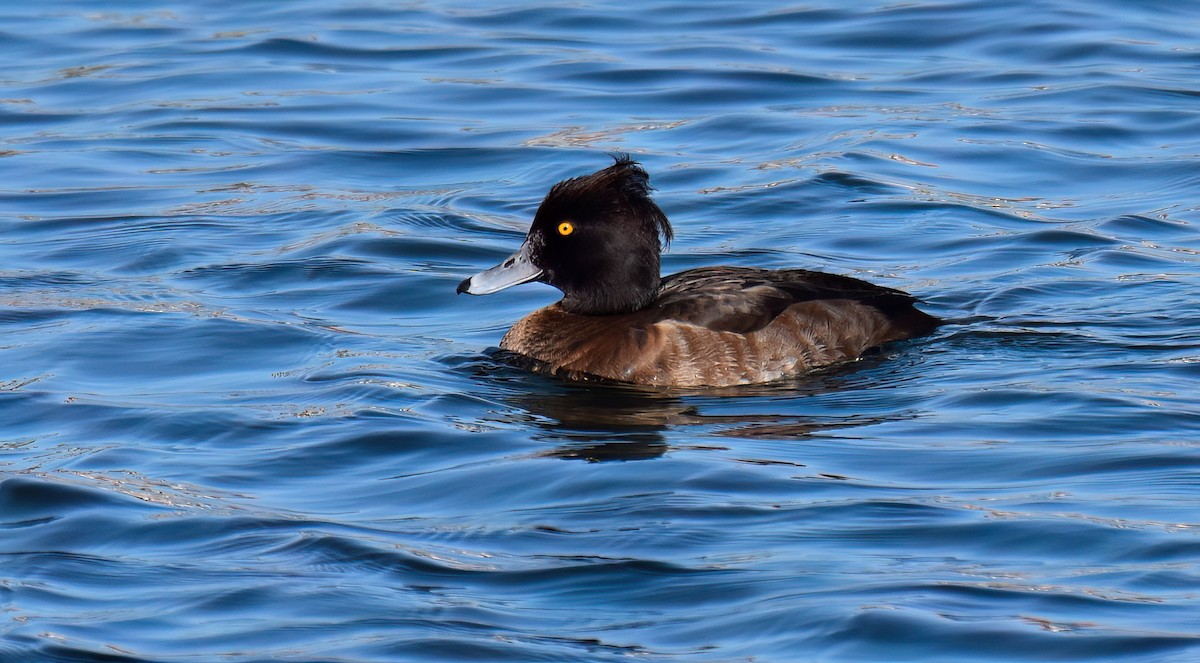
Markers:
{"x": 566, "y": 228}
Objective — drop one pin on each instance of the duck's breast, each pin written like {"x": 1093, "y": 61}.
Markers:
{"x": 629, "y": 348}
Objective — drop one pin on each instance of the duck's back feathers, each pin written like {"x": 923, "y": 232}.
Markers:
{"x": 722, "y": 326}
{"x": 746, "y": 299}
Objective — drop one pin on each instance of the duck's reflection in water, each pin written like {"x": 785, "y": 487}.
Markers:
{"x": 605, "y": 421}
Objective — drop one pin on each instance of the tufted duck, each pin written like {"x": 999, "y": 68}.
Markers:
{"x": 597, "y": 238}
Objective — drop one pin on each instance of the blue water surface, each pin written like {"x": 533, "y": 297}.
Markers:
{"x": 243, "y": 416}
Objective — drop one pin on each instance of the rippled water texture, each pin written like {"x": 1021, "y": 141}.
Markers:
{"x": 244, "y": 417}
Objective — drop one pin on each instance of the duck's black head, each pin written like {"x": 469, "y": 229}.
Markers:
{"x": 597, "y": 238}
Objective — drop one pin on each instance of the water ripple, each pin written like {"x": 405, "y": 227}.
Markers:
{"x": 244, "y": 416}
